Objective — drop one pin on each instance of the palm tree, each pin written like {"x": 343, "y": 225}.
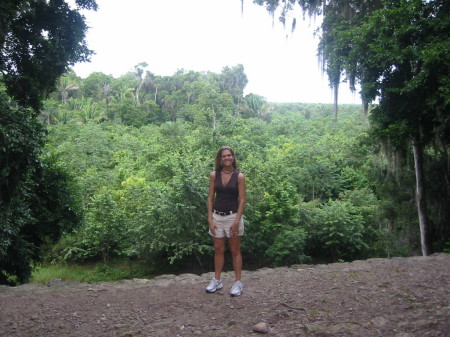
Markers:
{"x": 65, "y": 85}
{"x": 255, "y": 106}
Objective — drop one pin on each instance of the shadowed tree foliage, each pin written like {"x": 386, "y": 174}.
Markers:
{"x": 39, "y": 40}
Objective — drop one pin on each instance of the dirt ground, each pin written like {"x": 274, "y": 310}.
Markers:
{"x": 378, "y": 297}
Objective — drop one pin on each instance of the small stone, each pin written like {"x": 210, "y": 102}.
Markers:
{"x": 53, "y": 282}
{"x": 379, "y": 322}
{"x": 261, "y": 327}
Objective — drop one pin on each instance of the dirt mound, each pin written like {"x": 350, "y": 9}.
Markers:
{"x": 378, "y": 297}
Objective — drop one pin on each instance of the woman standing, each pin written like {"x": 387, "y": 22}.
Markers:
{"x": 226, "y": 204}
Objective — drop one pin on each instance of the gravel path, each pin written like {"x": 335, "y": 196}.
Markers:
{"x": 399, "y": 297}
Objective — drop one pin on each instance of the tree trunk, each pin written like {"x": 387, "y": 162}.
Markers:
{"x": 420, "y": 198}
{"x": 138, "y": 91}
{"x": 336, "y": 96}
{"x": 365, "y": 105}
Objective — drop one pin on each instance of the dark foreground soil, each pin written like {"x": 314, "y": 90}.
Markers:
{"x": 378, "y": 297}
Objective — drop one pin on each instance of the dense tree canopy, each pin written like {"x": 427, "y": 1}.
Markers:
{"x": 144, "y": 189}
{"x": 39, "y": 40}
{"x": 397, "y": 51}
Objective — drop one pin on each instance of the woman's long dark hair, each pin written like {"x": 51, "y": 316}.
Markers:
{"x": 218, "y": 160}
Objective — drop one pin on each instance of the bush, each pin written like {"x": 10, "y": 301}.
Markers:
{"x": 289, "y": 247}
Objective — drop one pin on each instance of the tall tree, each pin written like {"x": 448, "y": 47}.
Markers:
{"x": 139, "y": 73}
{"x": 234, "y": 80}
{"x": 411, "y": 75}
{"x": 66, "y": 85}
{"x": 398, "y": 52}
{"x": 254, "y": 106}
{"x": 98, "y": 86}
{"x": 39, "y": 40}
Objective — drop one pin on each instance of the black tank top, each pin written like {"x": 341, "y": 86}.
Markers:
{"x": 227, "y": 197}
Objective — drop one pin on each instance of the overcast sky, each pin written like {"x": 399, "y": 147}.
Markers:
{"x": 207, "y": 35}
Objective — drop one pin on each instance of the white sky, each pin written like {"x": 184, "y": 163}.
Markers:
{"x": 207, "y": 35}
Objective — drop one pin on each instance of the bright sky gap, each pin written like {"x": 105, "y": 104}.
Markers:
{"x": 207, "y": 35}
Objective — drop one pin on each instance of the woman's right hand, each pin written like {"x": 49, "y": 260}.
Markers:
{"x": 212, "y": 227}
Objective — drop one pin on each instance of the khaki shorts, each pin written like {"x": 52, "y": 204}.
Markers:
{"x": 223, "y": 224}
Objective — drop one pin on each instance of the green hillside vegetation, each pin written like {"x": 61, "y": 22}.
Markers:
{"x": 108, "y": 177}
{"x": 316, "y": 192}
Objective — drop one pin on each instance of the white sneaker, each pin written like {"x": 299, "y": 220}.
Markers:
{"x": 237, "y": 288}
{"x": 214, "y": 285}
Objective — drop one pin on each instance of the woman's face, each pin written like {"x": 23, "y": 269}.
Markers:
{"x": 227, "y": 158}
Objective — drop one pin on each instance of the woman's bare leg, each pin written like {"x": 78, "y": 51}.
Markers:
{"x": 219, "y": 256}
{"x": 235, "y": 248}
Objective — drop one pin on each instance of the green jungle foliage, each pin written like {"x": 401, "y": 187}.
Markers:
{"x": 39, "y": 40}
{"x": 144, "y": 189}
{"x": 314, "y": 187}
{"x": 102, "y": 169}
{"x": 36, "y": 196}
{"x": 318, "y": 190}
{"x": 396, "y": 51}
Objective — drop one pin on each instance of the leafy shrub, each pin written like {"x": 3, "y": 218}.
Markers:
{"x": 289, "y": 247}
{"x": 339, "y": 228}
{"x": 37, "y": 202}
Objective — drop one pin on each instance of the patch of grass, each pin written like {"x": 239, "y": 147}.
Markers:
{"x": 44, "y": 274}
{"x": 90, "y": 273}
{"x": 417, "y": 305}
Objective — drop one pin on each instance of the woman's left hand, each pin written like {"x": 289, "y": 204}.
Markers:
{"x": 234, "y": 229}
